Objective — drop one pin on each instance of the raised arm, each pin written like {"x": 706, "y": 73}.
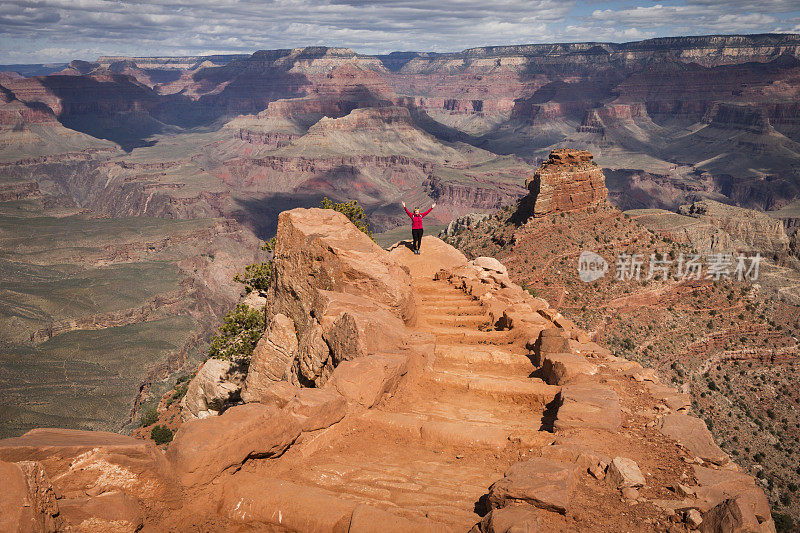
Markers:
{"x": 428, "y": 211}
{"x": 407, "y": 211}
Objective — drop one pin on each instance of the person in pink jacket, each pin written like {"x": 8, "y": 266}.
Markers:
{"x": 416, "y": 225}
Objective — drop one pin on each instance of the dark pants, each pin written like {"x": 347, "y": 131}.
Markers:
{"x": 416, "y": 236}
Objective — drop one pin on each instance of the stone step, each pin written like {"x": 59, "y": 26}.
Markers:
{"x": 447, "y": 299}
{"x": 275, "y": 504}
{"x": 436, "y": 431}
{"x": 410, "y": 480}
{"x": 484, "y": 356}
{"x": 472, "y": 321}
{"x": 452, "y": 308}
{"x": 438, "y": 290}
{"x": 456, "y": 335}
{"x": 533, "y": 391}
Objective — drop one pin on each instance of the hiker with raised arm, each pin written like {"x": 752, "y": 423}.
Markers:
{"x": 416, "y": 225}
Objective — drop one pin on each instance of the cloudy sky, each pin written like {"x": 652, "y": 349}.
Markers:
{"x": 33, "y": 31}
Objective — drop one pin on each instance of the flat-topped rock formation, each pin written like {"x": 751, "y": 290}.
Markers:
{"x": 568, "y": 181}
{"x": 396, "y": 392}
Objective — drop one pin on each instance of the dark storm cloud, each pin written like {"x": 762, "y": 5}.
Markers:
{"x": 47, "y": 30}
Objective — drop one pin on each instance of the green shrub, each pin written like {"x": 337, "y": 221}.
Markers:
{"x": 258, "y": 276}
{"x": 149, "y": 417}
{"x": 161, "y": 434}
{"x": 179, "y": 391}
{"x": 237, "y": 337}
{"x": 351, "y": 210}
{"x": 783, "y": 522}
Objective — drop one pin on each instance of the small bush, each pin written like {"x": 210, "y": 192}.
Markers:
{"x": 161, "y": 434}
{"x": 149, "y": 417}
{"x": 237, "y": 337}
{"x": 258, "y": 276}
{"x": 783, "y": 522}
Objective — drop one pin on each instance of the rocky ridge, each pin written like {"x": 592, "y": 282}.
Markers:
{"x": 478, "y": 407}
{"x": 695, "y": 332}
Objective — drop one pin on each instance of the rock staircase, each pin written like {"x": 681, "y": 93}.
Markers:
{"x": 432, "y": 450}
{"x": 457, "y": 402}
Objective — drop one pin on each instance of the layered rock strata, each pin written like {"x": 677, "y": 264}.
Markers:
{"x": 568, "y": 181}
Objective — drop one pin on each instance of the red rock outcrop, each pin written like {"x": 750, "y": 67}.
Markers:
{"x": 319, "y": 249}
{"x": 28, "y": 503}
{"x": 417, "y": 423}
{"x": 568, "y": 181}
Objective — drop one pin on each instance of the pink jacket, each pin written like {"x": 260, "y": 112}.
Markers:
{"x": 416, "y": 220}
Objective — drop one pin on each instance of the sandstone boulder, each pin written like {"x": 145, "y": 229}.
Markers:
{"x": 718, "y": 485}
{"x": 217, "y": 385}
{"x": 317, "y": 408}
{"x": 511, "y": 519}
{"x": 551, "y": 340}
{"x": 576, "y": 451}
{"x": 491, "y": 264}
{"x": 732, "y": 516}
{"x": 312, "y": 408}
{"x": 277, "y": 394}
{"x": 366, "y": 380}
{"x": 543, "y": 483}
{"x": 559, "y": 368}
{"x": 692, "y": 433}
{"x": 588, "y": 406}
{"x": 111, "y": 511}
{"x": 321, "y": 249}
{"x": 354, "y": 326}
{"x": 314, "y": 363}
{"x": 28, "y": 503}
{"x": 624, "y": 472}
{"x": 204, "y": 449}
{"x": 272, "y": 357}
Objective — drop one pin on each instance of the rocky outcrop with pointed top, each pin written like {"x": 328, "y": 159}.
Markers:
{"x": 568, "y": 181}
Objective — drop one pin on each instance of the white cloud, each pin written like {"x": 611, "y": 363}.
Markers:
{"x": 34, "y": 30}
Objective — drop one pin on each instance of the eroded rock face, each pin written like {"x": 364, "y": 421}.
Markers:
{"x": 746, "y": 229}
{"x": 345, "y": 296}
{"x": 272, "y": 358}
{"x": 217, "y": 385}
{"x": 321, "y": 249}
{"x": 354, "y": 326}
{"x": 568, "y": 181}
{"x": 96, "y": 460}
{"x": 28, "y": 502}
